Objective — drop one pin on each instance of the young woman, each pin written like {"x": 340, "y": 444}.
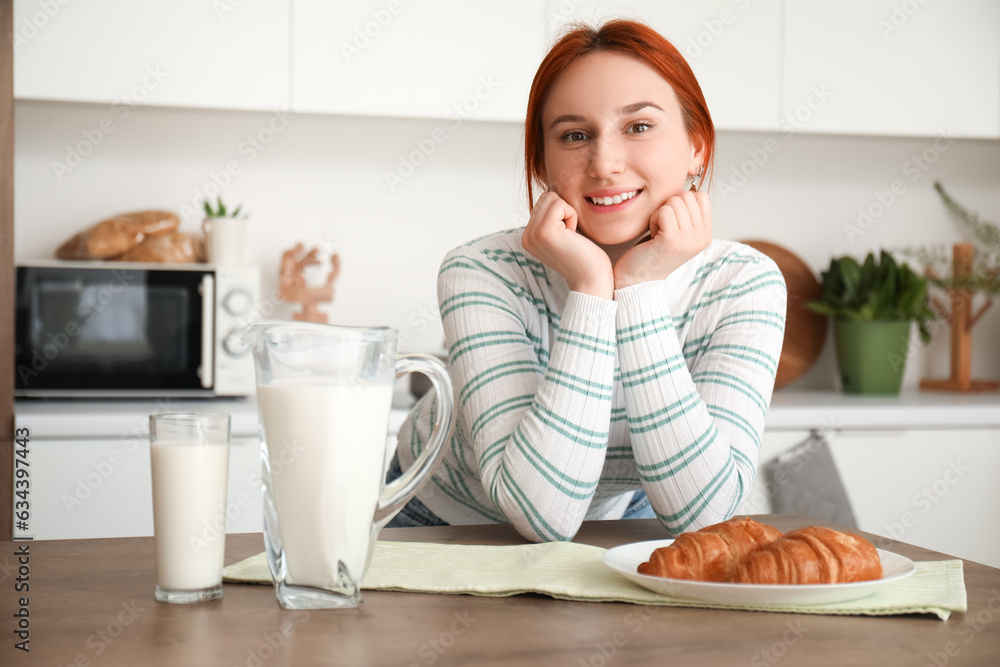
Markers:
{"x": 610, "y": 355}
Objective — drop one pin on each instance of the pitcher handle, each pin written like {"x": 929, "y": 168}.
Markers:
{"x": 399, "y": 492}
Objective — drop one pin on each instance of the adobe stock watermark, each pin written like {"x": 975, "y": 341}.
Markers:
{"x": 36, "y": 22}
{"x": 711, "y": 31}
{"x": 92, "y": 301}
{"x": 261, "y": 310}
{"x": 563, "y": 11}
{"x": 270, "y": 642}
{"x": 224, "y": 7}
{"x": 606, "y": 651}
{"x": 101, "y": 639}
{"x": 973, "y": 624}
{"x": 910, "y": 345}
{"x": 790, "y": 123}
{"x": 93, "y": 137}
{"x": 279, "y": 458}
{"x": 425, "y": 147}
{"x": 419, "y": 321}
{"x": 924, "y": 500}
{"x": 101, "y": 471}
{"x": 214, "y": 528}
{"x": 364, "y": 34}
{"x": 899, "y": 15}
{"x": 432, "y": 650}
{"x": 240, "y": 337}
{"x": 882, "y": 200}
{"x": 772, "y": 654}
{"x": 269, "y": 303}
{"x": 248, "y": 149}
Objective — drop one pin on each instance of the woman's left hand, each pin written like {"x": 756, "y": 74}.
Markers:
{"x": 678, "y": 230}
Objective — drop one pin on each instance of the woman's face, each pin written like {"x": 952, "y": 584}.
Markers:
{"x": 615, "y": 145}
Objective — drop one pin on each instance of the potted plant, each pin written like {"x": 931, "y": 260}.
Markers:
{"x": 873, "y": 305}
{"x": 225, "y": 234}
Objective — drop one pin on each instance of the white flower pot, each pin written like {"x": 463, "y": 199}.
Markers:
{"x": 225, "y": 240}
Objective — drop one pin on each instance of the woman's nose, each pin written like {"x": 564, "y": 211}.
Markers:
{"x": 607, "y": 158}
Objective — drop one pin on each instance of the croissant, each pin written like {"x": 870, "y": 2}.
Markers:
{"x": 712, "y": 553}
{"x": 812, "y": 555}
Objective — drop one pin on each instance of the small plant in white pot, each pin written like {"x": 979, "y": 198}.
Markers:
{"x": 225, "y": 234}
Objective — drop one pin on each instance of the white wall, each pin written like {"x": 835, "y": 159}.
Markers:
{"x": 321, "y": 179}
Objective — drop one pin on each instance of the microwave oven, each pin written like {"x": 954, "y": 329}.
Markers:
{"x": 124, "y": 329}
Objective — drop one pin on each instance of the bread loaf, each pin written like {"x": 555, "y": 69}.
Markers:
{"x": 117, "y": 235}
{"x": 172, "y": 247}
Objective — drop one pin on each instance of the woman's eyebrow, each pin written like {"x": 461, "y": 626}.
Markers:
{"x": 637, "y": 106}
{"x": 567, "y": 118}
{"x": 624, "y": 111}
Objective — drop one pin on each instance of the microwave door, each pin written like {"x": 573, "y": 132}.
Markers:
{"x": 206, "y": 370}
{"x": 112, "y": 332}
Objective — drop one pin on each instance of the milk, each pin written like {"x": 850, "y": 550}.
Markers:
{"x": 189, "y": 513}
{"x": 326, "y": 448}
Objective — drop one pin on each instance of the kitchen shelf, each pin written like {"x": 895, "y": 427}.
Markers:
{"x": 835, "y": 411}
{"x": 114, "y": 419}
{"x": 791, "y": 410}
{"x": 89, "y": 419}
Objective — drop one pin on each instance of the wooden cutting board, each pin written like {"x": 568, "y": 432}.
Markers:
{"x": 805, "y": 331}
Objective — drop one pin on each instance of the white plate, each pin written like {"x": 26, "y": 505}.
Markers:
{"x": 627, "y": 558}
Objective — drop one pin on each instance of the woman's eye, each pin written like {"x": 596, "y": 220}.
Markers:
{"x": 639, "y": 127}
{"x": 573, "y": 137}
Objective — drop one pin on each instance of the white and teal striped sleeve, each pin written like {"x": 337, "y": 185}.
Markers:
{"x": 696, "y": 413}
{"x": 537, "y": 412}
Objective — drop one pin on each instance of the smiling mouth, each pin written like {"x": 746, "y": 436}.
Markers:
{"x": 611, "y": 201}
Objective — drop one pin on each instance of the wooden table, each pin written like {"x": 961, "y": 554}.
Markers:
{"x": 91, "y": 603}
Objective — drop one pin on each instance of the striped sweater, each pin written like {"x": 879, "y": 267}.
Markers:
{"x": 568, "y": 403}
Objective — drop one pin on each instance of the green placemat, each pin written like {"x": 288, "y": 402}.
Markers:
{"x": 571, "y": 571}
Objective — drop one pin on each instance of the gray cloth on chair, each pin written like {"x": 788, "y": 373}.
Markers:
{"x": 804, "y": 480}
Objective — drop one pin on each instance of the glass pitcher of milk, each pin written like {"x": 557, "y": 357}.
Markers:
{"x": 324, "y": 394}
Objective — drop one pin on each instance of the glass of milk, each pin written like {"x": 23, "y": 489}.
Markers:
{"x": 324, "y": 395}
{"x": 189, "y": 457}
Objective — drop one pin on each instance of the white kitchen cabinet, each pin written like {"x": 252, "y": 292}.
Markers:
{"x": 102, "y": 488}
{"x": 934, "y": 488}
{"x": 938, "y": 489}
{"x": 89, "y": 468}
{"x": 442, "y": 59}
{"x": 228, "y": 54}
{"x": 879, "y": 67}
{"x": 733, "y": 46}
{"x": 893, "y": 68}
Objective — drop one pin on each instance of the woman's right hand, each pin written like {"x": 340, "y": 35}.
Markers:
{"x": 551, "y": 237}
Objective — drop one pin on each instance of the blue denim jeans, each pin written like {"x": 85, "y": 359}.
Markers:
{"x": 639, "y": 507}
{"x": 415, "y": 514}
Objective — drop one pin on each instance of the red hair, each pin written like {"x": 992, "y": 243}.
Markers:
{"x": 628, "y": 38}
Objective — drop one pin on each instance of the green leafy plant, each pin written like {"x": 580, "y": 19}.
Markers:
{"x": 220, "y": 210}
{"x": 874, "y": 290}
